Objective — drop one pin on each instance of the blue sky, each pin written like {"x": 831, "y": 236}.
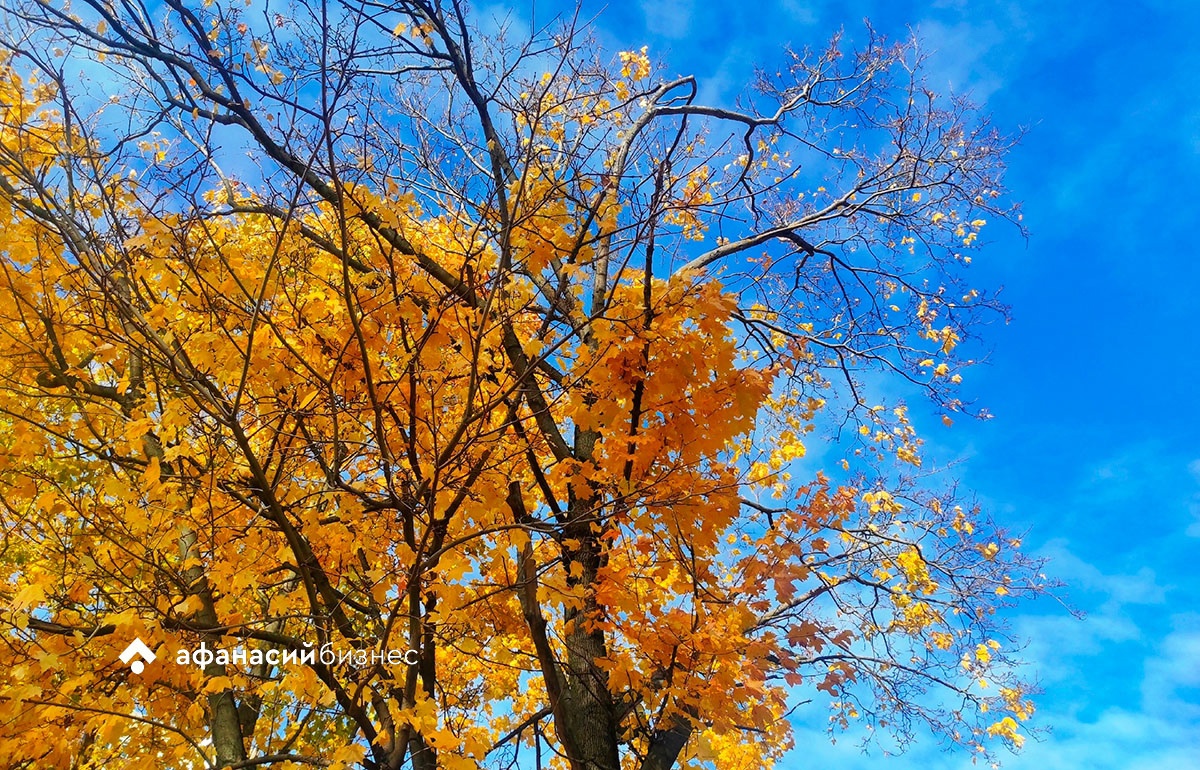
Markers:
{"x": 1094, "y": 446}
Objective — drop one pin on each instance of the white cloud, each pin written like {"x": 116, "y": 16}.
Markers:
{"x": 1193, "y": 529}
{"x": 669, "y": 18}
{"x": 1175, "y": 670}
{"x": 800, "y": 12}
{"x": 1118, "y": 739}
{"x": 1119, "y": 589}
{"x": 1120, "y": 694}
{"x": 960, "y": 57}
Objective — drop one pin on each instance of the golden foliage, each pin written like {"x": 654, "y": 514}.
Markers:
{"x": 513, "y": 422}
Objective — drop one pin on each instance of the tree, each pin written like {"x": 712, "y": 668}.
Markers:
{"x": 426, "y": 397}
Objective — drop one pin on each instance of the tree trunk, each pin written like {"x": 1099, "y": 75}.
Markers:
{"x": 588, "y": 705}
{"x": 226, "y": 725}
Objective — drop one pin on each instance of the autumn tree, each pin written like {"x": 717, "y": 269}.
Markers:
{"x": 335, "y": 330}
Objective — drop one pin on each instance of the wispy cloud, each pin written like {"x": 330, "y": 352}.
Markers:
{"x": 668, "y": 18}
{"x": 1193, "y": 529}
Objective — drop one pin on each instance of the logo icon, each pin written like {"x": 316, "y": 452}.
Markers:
{"x": 137, "y": 648}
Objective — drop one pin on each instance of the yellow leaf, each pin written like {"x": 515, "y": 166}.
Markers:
{"x": 30, "y": 596}
{"x": 152, "y": 474}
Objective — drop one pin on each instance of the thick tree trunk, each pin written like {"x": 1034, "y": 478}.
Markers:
{"x": 667, "y": 744}
{"x": 587, "y": 702}
{"x": 224, "y": 720}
